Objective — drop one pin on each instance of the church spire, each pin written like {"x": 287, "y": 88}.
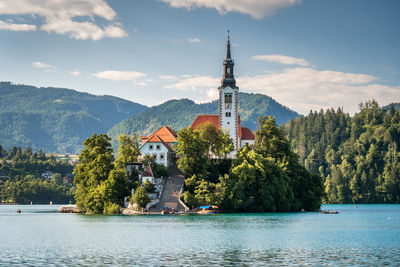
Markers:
{"x": 228, "y": 47}
{"x": 228, "y": 79}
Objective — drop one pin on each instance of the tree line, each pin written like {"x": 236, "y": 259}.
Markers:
{"x": 357, "y": 157}
{"x": 21, "y": 181}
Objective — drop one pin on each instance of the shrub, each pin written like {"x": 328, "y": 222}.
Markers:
{"x": 111, "y": 209}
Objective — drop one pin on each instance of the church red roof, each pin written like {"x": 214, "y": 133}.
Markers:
{"x": 244, "y": 133}
{"x": 201, "y": 119}
{"x": 247, "y": 134}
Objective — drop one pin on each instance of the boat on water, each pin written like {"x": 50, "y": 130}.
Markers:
{"x": 329, "y": 212}
{"x": 208, "y": 210}
{"x": 69, "y": 209}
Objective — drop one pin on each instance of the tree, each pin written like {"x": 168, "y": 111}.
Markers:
{"x": 149, "y": 187}
{"x": 269, "y": 140}
{"x": 266, "y": 177}
{"x": 57, "y": 179}
{"x": 140, "y": 197}
{"x": 93, "y": 169}
{"x": 205, "y": 193}
{"x": 192, "y": 152}
{"x": 219, "y": 143}
{"x": 128, "y": 150}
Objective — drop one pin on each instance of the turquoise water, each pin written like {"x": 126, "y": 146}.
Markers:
{"x": 367, "y": 235}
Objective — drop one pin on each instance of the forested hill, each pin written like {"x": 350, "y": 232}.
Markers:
{"x": 358, "y": 157}
{"x": 180, "y": 113}
{"x": 55, "y": 119}
{"x": 396, "y": 106}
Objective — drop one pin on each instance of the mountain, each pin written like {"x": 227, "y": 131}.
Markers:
{"x": 180, "y": 113}
{"x": 57, "y": 119}
{"x": 396, "y": 106}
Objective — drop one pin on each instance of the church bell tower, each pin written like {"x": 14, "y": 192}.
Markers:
{"x": 228, "y": 99}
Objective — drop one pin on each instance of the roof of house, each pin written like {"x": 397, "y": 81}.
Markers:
{"x": 148, "y": 172}
{"x": 166, "y": 134}
{"x": 247, "y": 134}
{"x": 156, "y": 139}
{"x": 163, "y": 135}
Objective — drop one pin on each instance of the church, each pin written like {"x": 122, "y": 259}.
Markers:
{"x": 228, "y": 118}
{"x": 162, "y": 143}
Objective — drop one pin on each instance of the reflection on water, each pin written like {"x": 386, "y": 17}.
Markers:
{"x": 368, "y": 235}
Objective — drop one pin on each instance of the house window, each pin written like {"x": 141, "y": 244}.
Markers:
{"x": 227, "y": 114}
{"x": 151, "y": 147}
{"x": 158, "y": 147}
{"x": 155, "y": 156}
{"x": 162, "y": 156}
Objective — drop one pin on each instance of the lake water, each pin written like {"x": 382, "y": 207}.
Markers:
{"x": 367, "y": 235}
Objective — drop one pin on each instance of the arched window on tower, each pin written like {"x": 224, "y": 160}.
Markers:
{"x": 228, "y": 101}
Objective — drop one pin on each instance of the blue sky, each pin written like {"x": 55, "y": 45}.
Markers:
{"x": 307, "y": 54}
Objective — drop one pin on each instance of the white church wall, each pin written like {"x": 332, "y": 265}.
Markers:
{"x": 244, "y": 142}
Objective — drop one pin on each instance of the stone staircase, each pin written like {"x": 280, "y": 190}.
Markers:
{"x": 171, "y": 191}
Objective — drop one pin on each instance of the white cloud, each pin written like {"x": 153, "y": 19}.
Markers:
{"x": 193, "y": 83}
{"x": 16, "y": 27}
{"x": 168, "y": 77}
{"x": 58, "y": 16}
{"x": 75, "y": 72}
{"x": 303, "y": 89}
{"x": 283, "y": 60}
{"x": 193, "y": 40}
{"x": 114, "y": 75}
{"x": 40, "y": 65}
{"x": 212, "y": 93}
{"x": 255, "y": 8}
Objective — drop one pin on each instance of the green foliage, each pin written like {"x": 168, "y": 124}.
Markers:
{"x": 111, "y": 209}
{"x": 55, "y": 119}
{"x": 57, "y": 178}
{"x": 189, "y": 199}
{"x": 219, "y": 143}
{"x": 149, "y": 187}
{"x": 357, "y": 157}
{"x": 192, "y": 152}
{"x": 98, "y": 183}
{"x": 266, "y": 177}
{"x": 21, "y": 181}
{"x": 140, "y": 197}
{"x": 23, "y": 190}
{"x": 128, "y": 150}
{"x": 178, "y": 114}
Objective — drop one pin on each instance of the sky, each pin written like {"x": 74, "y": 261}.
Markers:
{"x": 306, "y": 54}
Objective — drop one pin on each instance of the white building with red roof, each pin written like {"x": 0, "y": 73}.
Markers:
{"x": 228, "y": 118}
{"x": 161, "y": 145}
